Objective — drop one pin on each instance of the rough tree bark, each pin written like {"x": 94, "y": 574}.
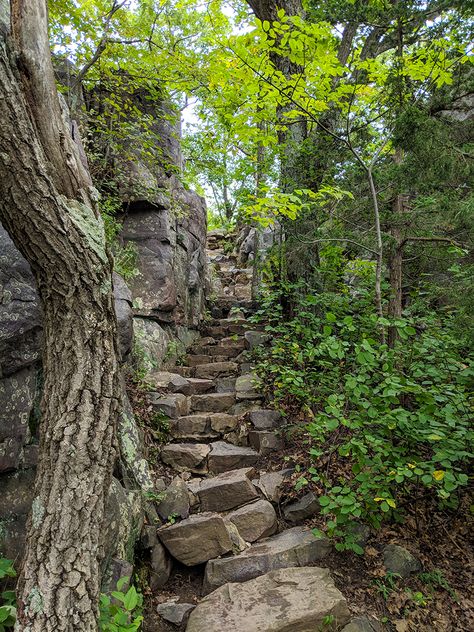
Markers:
{"x": 46, "y": 205}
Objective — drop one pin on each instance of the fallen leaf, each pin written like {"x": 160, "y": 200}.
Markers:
{"x": 401, "y": 625}
{"x": 371, "y": 552}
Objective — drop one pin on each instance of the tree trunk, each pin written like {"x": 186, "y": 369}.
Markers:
{"x": 46, "y": 206}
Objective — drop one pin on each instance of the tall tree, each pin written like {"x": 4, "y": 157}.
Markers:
{"x": 47, "y": 206}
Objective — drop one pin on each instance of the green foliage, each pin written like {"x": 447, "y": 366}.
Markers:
{"x": 397, "y": 420}
{"x": 435, "y": 579}
{"x": 125, "y": 257}
{"x": 121, "y": 611}
{"x": 7, "y": 597}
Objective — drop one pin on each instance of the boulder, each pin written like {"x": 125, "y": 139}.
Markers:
{"x": 176, "y": 500}
{"x": 186, "y": 457}
{"x": 175, "y": 613}
{"x": 305, "y": 507}
{"x": 293, "y": 547}
{"x": 226, "y": 491}
{"x": 254, "y": 521}
{"x": 289, "y": 600}
{"x": 225, "y": 456}
{"x": 196, "y": 539}
{"x": 265, "y": 419}
{"x": 399, "y": 560}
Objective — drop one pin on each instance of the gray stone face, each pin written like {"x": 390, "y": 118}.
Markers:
{"x": 173, "y": 405}
{"x": 289, "y": 600}
{"x": 226, "y": 491}
{"x": 196, "y": 539}
{"x": 265, "y": 441}
{"x": 254, "y": 521}
{"x": 15, "y": 502}
{"x": 398, "y": 560}
{"x": 270, "y": 484}
{"x": 255, "y": 339}
{"x": 293, "y": 547}
{"x": 247, "y": 387}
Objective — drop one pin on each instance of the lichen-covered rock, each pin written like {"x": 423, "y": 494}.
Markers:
{"x": 289, "y": 600}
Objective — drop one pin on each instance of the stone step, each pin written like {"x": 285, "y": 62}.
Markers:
{"x": 225, "y": 456}
{"x": 213, "y": 370}
{"x": 254, "y": 521}
{"x": 197, "y": 385}
{"x": 200, "y": 458}
{"x": 284, "y": 600}
{"x": 197, "y": 539}
{"x": 225, "y": 491}
{"x": 196, "y": 359}
{"x": 185, "y": 371}
{"x": 291, "y": 548}
{"x": 173, "y": 405}
{"x": 212, "y": 402}
{"x": 192, "y": 427}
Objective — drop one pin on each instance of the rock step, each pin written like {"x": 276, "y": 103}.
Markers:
{"x": 284, "y": 600}
{"x": 202, "y": 426}
{"x": 212, "y": 402}
{"x": 201, "y": 458}
{"x": 195, "y": 359}
{"x": 291, "y": 548}
{"x": 213, "y": 370}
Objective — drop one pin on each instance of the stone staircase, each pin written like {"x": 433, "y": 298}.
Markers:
{"x": 220, "y": 509}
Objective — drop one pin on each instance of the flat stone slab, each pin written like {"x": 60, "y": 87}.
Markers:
{"x": 196, "y": 539}
{"x": 226, "y": 491}
{"x": 212, "y": 402}
{"x": 222, "y": 422}
{"x": 285, "y": 600}
{"x": 225, "y": 456}
{"x": 210, "y": 371}
{"x": 293, "y": 547}
{"x": 175, "y": 613}
{"x": 254, "y": 521}
{"x": 186, "y": 457}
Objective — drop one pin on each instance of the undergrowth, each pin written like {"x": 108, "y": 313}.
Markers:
{"x": 384, "y": 426}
